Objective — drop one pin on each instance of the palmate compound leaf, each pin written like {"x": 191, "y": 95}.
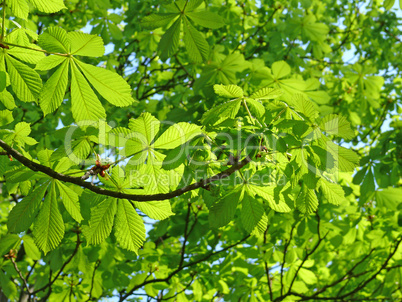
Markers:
{"x": 221, "y": 113}
{"x": 101, "y": 221}
{"x": 85, "y": 105}
{"x": 23, "y": 214}
{"x": 129, "y": 227}
{"x": 49, "y": 226}
{"x": 229, "y": 91}
{"x": 196, "y": 45}
{"x": 26, "y": 83}
{"x": 53, "y": 91}
{"x": 337, "y": 125}
{"x": 109, "y": 84}
{"x": 70, "y": 201}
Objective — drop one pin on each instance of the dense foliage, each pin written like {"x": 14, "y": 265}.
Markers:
{"x": 197, "y": 150}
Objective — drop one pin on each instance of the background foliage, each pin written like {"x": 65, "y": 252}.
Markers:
{"x": 288, "y": 113}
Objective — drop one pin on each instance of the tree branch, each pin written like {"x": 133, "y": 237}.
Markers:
{"x": 61, "y": 269}
{"x": 177, "y": 270}
{"x": 78, "y": 181}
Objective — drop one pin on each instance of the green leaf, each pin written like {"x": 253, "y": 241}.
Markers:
{"x": 346, "y": 159}
{"x": 49, "y": 226}
{"x": 101, "y": 221}
{"x": 388, "y": 4}
{"x": 223, "y": 210}
{"x": 158, "y": 210}
{"x": 49, "y": 62}
{"x": 85, "y": 45}
{"x": 85, "y": 105}
{"x": 154, "y": 21}
{"x": 129, "y": 227}
{"x": 109, "y": 84}
{"x": 196, "y": 45}
{"x": 389, "y": 198}
{"x": 27, "y": 55}
{"x": 229, "y": 91}
{"x": 54, "y": 39}
{"x": 256, "y": 108}
{"x": 9, "y": 242}
{"x": 170, "y": 40}
{"x": 6, "y": 117}
{"x": 315, "y": 31}
{"x": 206, "y": 19}
{"x": 304, "y": 106}
{"x": 26, "y": 83}
{"x": 221, "y": 113}
{"x": 251, "y": 212}
{"x": 19, "y": 8}
{"x": 176, "y": 135}
{"x": 52, "y": 94}
{"x": 157, "y": 180}
{"x": 30, "y": 247}
{"x": 267, "y": 93}
{"x": 307, "y": 201}
{"x": 332, "y": 191}
{"x": 280, "y": 69}
{"x": 7, "y": 99}
{"x": 307, "y": 276}
{"x": 145, "y": 127}
{"x": 70, "y": 201}
{"x": 48, "y": 6}
{"x": 191, "y": 5}
{"x": 24, "y": 213}
{"x": 267, "y": 193}
{"x": 337, "y": 125}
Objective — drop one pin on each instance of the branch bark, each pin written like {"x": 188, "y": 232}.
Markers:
{"x": 121, "y": 195}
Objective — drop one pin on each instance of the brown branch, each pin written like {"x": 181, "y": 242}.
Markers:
{"x": 22, "y": 277}
{"x": 78, "y": 181}
{"x": 177, "y": 270}
{"x": 284, "y": 255}
{"x": 61, "y": 269}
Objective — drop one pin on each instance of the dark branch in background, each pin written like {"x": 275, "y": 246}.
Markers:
{"x": 380, "y": 121}
{"x": 78, "y": 181}
{"x": 22, "y": 277}
{"x": 98, "y": 262}
{"x": 358, "y": 288}
{"x": 60, "y": 271}
{"x": 284, "y": 255}
{"x": 177, "y": 270}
